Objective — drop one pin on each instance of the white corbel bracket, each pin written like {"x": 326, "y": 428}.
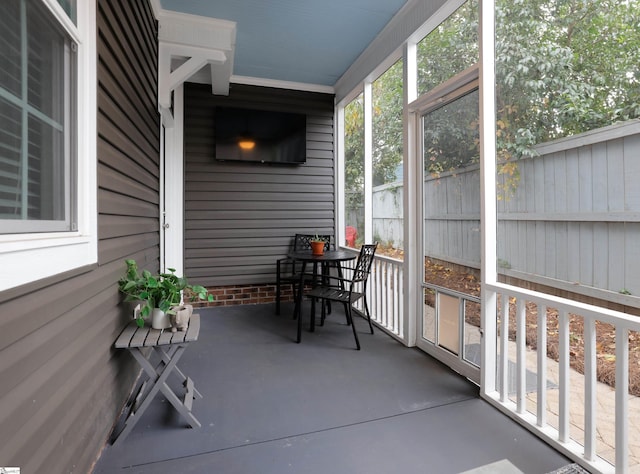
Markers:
{"x": 189, "y": 44}
{"x": 198, "y": 58}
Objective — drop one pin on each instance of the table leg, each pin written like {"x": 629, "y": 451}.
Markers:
{"x": 298, "y": 308}
{"x": 312, "y": 322}
{"x": 166, "y": 357}
{"x": 157, "y": 382}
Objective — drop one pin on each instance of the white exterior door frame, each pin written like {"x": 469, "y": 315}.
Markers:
{"x": 172, "y": 184}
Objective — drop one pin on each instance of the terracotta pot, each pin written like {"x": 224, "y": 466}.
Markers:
{"x": 317, "y": 248}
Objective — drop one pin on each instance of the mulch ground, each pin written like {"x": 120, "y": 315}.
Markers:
{"x": 455, "y": 278}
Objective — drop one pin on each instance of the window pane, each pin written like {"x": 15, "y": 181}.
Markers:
{"x": 354, "y": 172}
{"x": 452, "y": 195}
{"x": 35, "y": 123}
{"x": 10, "y": 173}
{"x": 46, "y": 48}
{"x": 10, "y": 47}
{"x": 451, "y": 225}
{"x": 387, "y": 196}
{"x": 451, "y": 136}
{"x": 449, "y": 49}
{"x": 70, "y": 7}
{"x": 46, "y": 182}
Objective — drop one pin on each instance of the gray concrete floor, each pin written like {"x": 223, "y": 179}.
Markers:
{"x": 273, "y": 406}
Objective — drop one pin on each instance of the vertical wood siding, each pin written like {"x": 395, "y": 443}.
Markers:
{"x": 62, "y": 383}
{"x": 240, "y": 217}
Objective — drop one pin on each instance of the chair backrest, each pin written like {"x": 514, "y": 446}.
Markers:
{"x": 303, "y": 241}
{"x": 363, "y": 265}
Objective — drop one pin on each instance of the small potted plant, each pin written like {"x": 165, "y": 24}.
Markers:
{"x": 159, "y": 294}
{"x": 317, "y": 244}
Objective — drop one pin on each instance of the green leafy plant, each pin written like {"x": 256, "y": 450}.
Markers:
{"x": 317, "y": 238}
{"x": 163, "y": 291}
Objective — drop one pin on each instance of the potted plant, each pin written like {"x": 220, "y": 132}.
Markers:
{"x": 159, "y": 294}
{"x": 317, "y": 244}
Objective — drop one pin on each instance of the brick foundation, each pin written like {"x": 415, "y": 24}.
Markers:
{"x": 246, "y": 294}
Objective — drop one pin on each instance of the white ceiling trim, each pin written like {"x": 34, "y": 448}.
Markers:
{"x": 300, "y": 86}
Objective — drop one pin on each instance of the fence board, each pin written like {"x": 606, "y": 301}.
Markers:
{"x": 574, "y": 215}
{"x": 615, "y": 175}
{"x": 560, "y": 183}
{"x": 599, "y": 176}
{"x": 632, "y": 173}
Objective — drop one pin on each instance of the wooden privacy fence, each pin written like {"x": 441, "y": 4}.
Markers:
{"x": 573, "y": 221}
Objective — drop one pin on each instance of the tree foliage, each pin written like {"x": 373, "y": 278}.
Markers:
{"x": 563, "y": 67}
{"x": 354, "y": 153}
{"x": 387, "y": 124}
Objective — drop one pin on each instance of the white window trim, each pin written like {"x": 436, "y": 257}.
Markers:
{"x": 26, "y": 258}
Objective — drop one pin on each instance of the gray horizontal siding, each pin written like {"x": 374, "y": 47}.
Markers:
{"x": 63, "y": 385}
{"x": 240, "y": 217}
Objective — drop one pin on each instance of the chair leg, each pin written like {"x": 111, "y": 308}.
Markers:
{"x": 323, "y": 311}
{"x": 296, "y": 306}
{"x": 346, "y": 313}
{"x": 325, "y": 274}
{"x": 366, "y": 311}
{"x": 278, "y": 297}
{"x": 353, "y": 327}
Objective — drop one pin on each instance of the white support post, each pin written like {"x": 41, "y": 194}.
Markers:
{"x": 368, "y": 162}
{"x": 411, "y": 208}
{"x": 488, "y": 209}
{"x": 339, "y": 197}
{"x": 174, "y": 187}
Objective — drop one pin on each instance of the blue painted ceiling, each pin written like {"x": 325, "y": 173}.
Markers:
{"x": 305, "y": 41}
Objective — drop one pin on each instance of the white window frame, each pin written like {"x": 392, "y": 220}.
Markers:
{"x": 25, "y": 258}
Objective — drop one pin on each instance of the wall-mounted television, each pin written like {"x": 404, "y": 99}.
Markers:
{"x": 262, "y": 136}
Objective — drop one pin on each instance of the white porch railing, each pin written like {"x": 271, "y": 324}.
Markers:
{"x": 385, "y": 296}
{"x": 575, "y": 434}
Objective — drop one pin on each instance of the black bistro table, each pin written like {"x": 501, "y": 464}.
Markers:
{"x": 325, "y": 260}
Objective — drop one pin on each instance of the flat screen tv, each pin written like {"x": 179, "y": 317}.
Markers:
{"x": 262, "y": 136}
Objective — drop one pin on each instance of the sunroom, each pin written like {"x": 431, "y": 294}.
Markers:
{"x": 489, "y": 147}
{"x": 532, "y": 217}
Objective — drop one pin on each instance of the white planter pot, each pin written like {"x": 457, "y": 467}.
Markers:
{"x": 159, "y": 319}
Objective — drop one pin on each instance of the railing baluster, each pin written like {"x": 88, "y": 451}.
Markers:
{"x": 384, "y": 294}
{"x": 622, "y": 400}
{"x": 585, "y": 452}
{"x": 590, "y": 389}
{"x": 399, "y": 320}
{"x": 504, "y": 349}
{"x": 542, "y": 366}
{"x": 521, "y": 362}
{"x": 563, "y": 329}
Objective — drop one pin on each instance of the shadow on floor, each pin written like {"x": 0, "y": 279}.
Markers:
{"x": 273, "y": 406}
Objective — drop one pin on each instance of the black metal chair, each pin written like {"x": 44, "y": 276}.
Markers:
{"x": 288, "y": 271}
{"x": 347, "y": 290}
